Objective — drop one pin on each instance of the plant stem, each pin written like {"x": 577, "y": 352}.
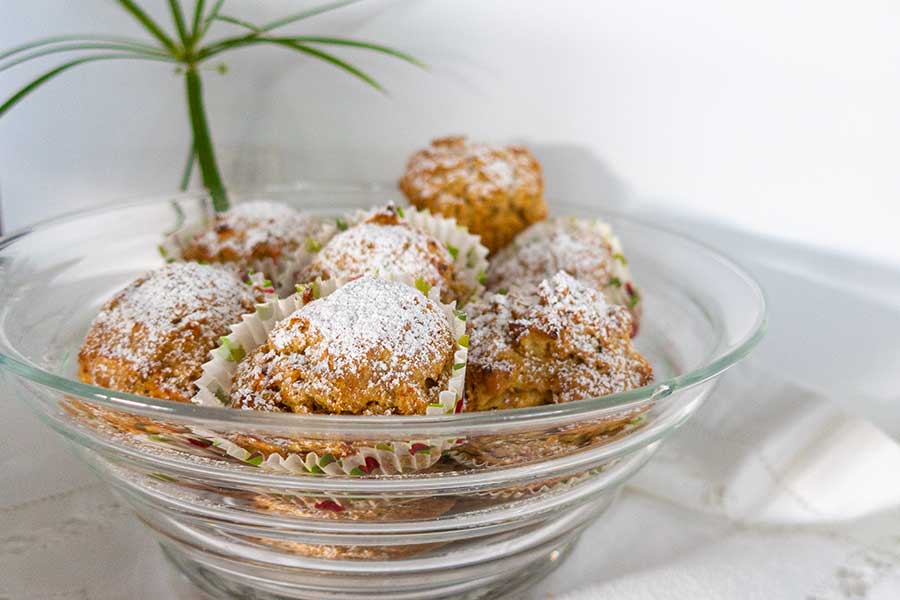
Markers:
{"x": 203, "y": 147}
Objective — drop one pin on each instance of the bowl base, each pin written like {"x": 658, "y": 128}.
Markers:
{"x": 219, "y": 582}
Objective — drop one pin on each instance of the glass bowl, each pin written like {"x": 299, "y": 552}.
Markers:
{"x": 492, "y": 500}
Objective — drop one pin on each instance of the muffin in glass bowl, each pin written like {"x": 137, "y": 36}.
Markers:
{"x": 586, "y": 249}
{"x": 555, "y": 342}
{"x": 370, "y": 346}
{"x": 255, "y": 236}
{"x": 373, "y": 346}
{"x": 494, "y": 191}
{"x": 153, "y": 337}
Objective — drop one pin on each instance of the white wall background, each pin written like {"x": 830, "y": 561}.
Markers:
{"x": 778, "y": 117}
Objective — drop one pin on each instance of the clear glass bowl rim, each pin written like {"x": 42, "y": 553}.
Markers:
{"x": 488, "y": 422}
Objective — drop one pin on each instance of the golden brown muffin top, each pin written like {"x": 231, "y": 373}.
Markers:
{"x": 371, "y": 347}
{"x": 452, "y": 169}
{"x": 152, "y": 337}
{"x": 384, "y": 243}
{"x": 254, "y": 231}
{"x": 555, "y": 342}
{"x": 585, "y": 249}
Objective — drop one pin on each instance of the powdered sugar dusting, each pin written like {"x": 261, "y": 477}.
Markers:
{"x": 372, "y": 346}
{"x": 583, "y": 248}
{"x": 255, "y": 230}
{"x": 554, "y": 342}
{"x": 374, "y": 248}
{"x": 157, "y": 332}
{"x": 455, "y": 168}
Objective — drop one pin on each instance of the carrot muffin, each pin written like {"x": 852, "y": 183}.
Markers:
{"x": 256, "y": 233}
{"x": 495, "y": 191}
{"x": 555, "y": 342}
{"x": 383, "y": 242}
{"x": 585, "y": 249}
{"x": 152, "y": 337}
{"x": 373, "y": 346}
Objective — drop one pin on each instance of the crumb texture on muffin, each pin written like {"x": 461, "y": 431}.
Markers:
{"x": 384, "y": 243}
{"x": 585, "y": 249}
{"x": 373, "y": 346}
{"x": 555, "y": 342}
{"x": 254, "y": 231}
{"x": 153, "y": 337}
{"x": 494, "y": 191}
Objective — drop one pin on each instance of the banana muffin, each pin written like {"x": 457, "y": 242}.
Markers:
{"x": 494, "y": 191}
{"x": 373, "y": 346}
{"x": 152, "y": 337}
{"x": 585, "y": 249}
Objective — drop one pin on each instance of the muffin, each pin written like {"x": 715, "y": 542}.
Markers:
{"x": 555, "y": 342}
{"x": 494, "y": 191}
{"x": 371, "y": 347}
{"x": 585, "y": 249}
{"x": 152, "y": 337}
{"x": 256, "y": 236}
{"x": 383, "y": 242}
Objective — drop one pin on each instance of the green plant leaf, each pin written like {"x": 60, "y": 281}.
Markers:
{"x": 196, "y": 25}
{"x": 84, "y": 38}
{"x": 227, "y": 43}
{"x": 329, "y": 58}
{"x": 238, "y": 22}
{"x": 211, "y": 17}
{"x": 357, "y": 44}
{"x": 306, "y": 14}
{"x": 178, "y": 17}
{"x": 18, "y": 96}
{"x": 149, "y": 24}
{"x": 80, "y": 47}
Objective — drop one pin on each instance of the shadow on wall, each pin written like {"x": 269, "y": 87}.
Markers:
{"x": 578, "y": 176}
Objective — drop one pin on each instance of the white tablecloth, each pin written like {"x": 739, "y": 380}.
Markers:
{"x": 773, "y": 491}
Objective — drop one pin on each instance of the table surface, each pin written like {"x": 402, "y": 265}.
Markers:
{"x": 63, "y": 535}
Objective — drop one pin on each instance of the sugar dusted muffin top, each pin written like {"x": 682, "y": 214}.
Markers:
{"x": 494, "y": 191}
{"x": 373, "y": 346}
{"x": 255, "y": 231}
{"x": 382, "y": 243}
{"x": 586, "y": 249}
{"x": 152, "y": 337}
{"x": 555, "y": 342}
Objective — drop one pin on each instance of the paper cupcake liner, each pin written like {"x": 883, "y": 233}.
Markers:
{"x": 622, "y": 290}
{"x": 281, "y": 273}
{"x": 469, "y": 255}
{"x": 378, "y": 458}
{"x": 555, "y": 486}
